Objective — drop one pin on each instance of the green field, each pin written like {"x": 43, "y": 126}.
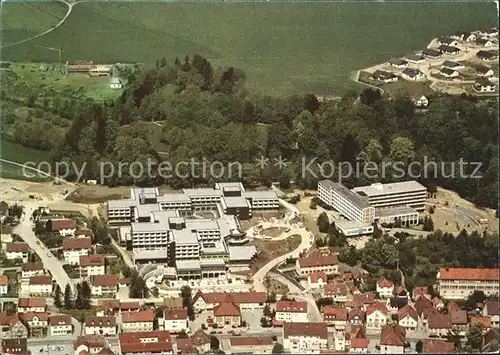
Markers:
{"x": 284, "y": 48}
{"x": 16, "y": 152}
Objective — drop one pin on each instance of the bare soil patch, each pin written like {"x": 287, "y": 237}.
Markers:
{"x": 98, "y": 194}
{"x": 269, "y": 250}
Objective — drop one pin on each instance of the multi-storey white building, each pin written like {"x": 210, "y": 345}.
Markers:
{"x": 460, "y": 283}
{"x": 392, "y": 339}
{"x": 403, "y": 215}
{"x": 385, "y": 288}
{"x": 34, "y": 305}
{"x": 40, "y": 285}
{"x": 15, "y": 251}
{"x": 175, "y": 320}
{"x": 104, "y": 285}
{"x": 100, "y": 326}
{"x": 305, "y": 338}
{"x": 376, "y": 316}
{"x": 91, "y": 265}
{"x": 406, "y": 193}
{"x": 291, "y": 311}
{"x": 73, "y": 248}
{"x": 408, "y": 318}
{"x": 32, "y": 269}
{"x": 186, "y": 244}
{"x": 317, "y": 262}
{"x": 141, "y": 321}
{"x": 60, "y": 325}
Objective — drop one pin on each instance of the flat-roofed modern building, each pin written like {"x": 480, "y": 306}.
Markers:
{"x": 403, "y": 216}
{"x": 348, "y": 203}
{"x": 405, "y": 193}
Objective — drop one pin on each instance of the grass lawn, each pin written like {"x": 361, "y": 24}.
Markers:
{"x": 284, "y": 47}
{"x": 401, "y": 87}
{"x": 17, "y": 153}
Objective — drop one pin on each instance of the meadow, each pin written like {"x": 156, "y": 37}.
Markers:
{"x": 284, "y": 47}
{"x": 17, "y": 153}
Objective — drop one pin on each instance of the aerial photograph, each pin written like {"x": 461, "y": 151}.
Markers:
{"x": 249, "y": 177}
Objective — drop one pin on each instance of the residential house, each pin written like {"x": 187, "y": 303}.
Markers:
{"x": 421, "y": 102}
{"x": 90, "y": 344}
{"x": 392, "y": 339}
{"x": 245, "y": 300}
{"x": 93, "y": 264}
{"x": 436, "y": 346}
{"x": 394, "y": 304}
{"x": 73, "y": 248}
{"x": 356, "y": 340}
{"x": 32, "y": 269}
{"x": 355, "y": 276}
{"x": 100, "y": 326}
{"x": 201, "y": 341}
{"x": 356, "y": 316}
{"x": 486, "y": 55}
{"x": 484, "y": 42}
{"x": 431, "y": 53}
{"x": 413, "y": 74}
{"x": 60, "y": 325}
{"x": 448, "y": 49}
{"x": 385, "y": 288}
{"x": 460, "y": 283}
{"x": 408, "y": 318}
{"x": 452, "y": 65}
{"x": 383, "y": 76}
{"x": 14, "y": 346}
{"x": 227, "y": 314}
{"x": 359, "y": 346}
{"x": 115, "y": 83}
{"x": 114, "y": 307}
{"x": 305, "y": 338}
{"x": 401, "y": 292}
{"x": 416, "y": 58}
{"x": 438, "y": 324}
{"x": 419, "y": 291}
{"x": 449, "y": 41}
{"x": 398, "y": 63}
{"x": 40, "y": 285}
{"x": 317, "y": 280}
{"x": 185, "y": 346}
{"x": 491, "y": 309}
{"x": 104, "y": 285}
{"x": 317, "y": 261}
{"x": 422, "y": 304}
{"x": 484, "y": 71}
{"x": 335, "y": 316}
{"x": 485, "y": 321}
{"x": 141, "y": 321}
{"x": 339, "y": 341}
{"x": 448, "y": 73}
{"x": 490, "y": 341}
{"x": 64, "y": 227}
{"x": 488, "y": 32}
{"x": 152, "y": 342}
{"x": 4, "y": 285}
{"x": 291, "y": 311}
{"x": 459, "y": 319}
{"x": 34, "y": 305}
{"x": 17, "y": 251}
{"x": 481, "y": 85}
{"x": 175, "y": 320}
{"x": 437, "y": 303}
{"x": 464, "y": 36}
{"x": 84, "y": 232}
{"x": 12, "y": 327}
{"x": 37, "y": 323}
{"x": 338, "y": 292}
{"x": 361, "y": 300}
{"x": 376, "y": 316}
{"x": 252, "y": 345}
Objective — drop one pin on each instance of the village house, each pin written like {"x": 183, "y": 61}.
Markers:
{"x": 376, "y": 316}
{"x": 413, "y": 74}
{"x": 305, "y": 338}
{"x": 227, "y": 313}
{"x": 408, "y": 318}
{"x": 291, "y": 311}
{"x": 392, "y": 339}
{"x": 420, "y": 291}
{"x": 335, "y": 316}
{"x": 421, "y": 102}
{"x": 12, "y": 327}
{"x": 416, "y": 58}
{"x": 245, "y": 300}
{"x": 422, "y": 304}
{"x": 488, "y": 32}
{"x": 14, "y": 346}
{"x": 355, "y": 339}
{"x": 93, "y": 264}
{"x": 34, "y": 305}
{"x": 484, "y": 42}
{"x": 317, "y": 280}
{"x": 115, "y": 83}
{"x": 458, "y": 317}
{"x": 32, "y": 269}
{"x": 201, "y": 341}
{"x": 394, "y": 304}
{"x": 385, "y": 288}
{"x": 491, "y": 309}
{"x": 486, "y": 55}
{"x": 484, "y": 321}
{"x": 60, "y": 325}
{"x": 39, "y": 285}
{"x": 141, "y": 321}
{"x": 464, "y": 36}
{"x": 484, "y": 71}
{"x": 317, "y": 262}
{"x": 152, "y": 342}
{"x": 436, "y": 346}
{"x": 17, "y": 251}
{"x": 444, "y": 49}
{"x": 4, "y": 285}
{"x": 100, "y": 326}
{"x": 383, "y": 76}
{"x": 483, "y": 85}
{"x": 185, "y": 346}
{"x": 65, "y": 227}
{"x": 431, "y": 53}
{"x": 398, "y": 63}
{"x": 252, "y": 345}
{"x": 438, "y": 324}
{"x": 355, "y": 276}
{"x": 175, "y": 320}
{"x": 37, "y": 323}
{"x": 448, "y": 73}
{"x": 114, "y": 307}
{"x": 338, "y": 292}
{"x": 104, "y": 285}
{"x": 359, "y": 346}
{"x": 84, "y": 232}
{"x": 437, "y": 303}
{"x": 361, "y": 300}
{"x": 449, "y": 41}
{"x": 460, "y": 283}
{"x": 452, "y": 65}
{"x": 90, "y": 344}
{"x": 356, "y": 316}
{"x": 73, "y": 248}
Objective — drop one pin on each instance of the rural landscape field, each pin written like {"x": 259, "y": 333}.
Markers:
{"x": 284, "y": 48}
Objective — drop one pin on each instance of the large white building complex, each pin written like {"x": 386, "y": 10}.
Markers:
{"x": 460, "y": 283}
{"x": 197, "y": 231}
{"x": 395, "y": 203}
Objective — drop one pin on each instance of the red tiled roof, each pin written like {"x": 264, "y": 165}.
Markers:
{"x": 316, "y": 330}
{"x": 104, "y": 280}
{"x": 422, "y": 304}
{"x": 131, "y": 342}
{"x": 407, "y": 311}
{"x": 484, "y": 320}
{"x": 356, "y": 312}
{"x": 291, "y": 306}
{"x": 40, "y": 280}
{"x": 29, "y": 316}
{"x": 316, "y": 276}
{"x": 226, "y": 310}
{"x": 59, "y": 320}
{"x": 32, "y": 267}
{"x": 376, "y": 306}
{"x": 335, "y": 290}
{"x": 77, "y": 243}
{"x": 4, "y": 280}
{"x": 92, "y": 260}
{"x": 234, "y": 297}
{"x": 129, "y": 305}
{"x": 31, "y": 302}
{"x": 200, "y": 338}
{"x": 185, "y": 345}
{"x": 458, "y": 316}
{"x": 17, "y": 247}
{"x": 469, "y": 274}
{"x": 58, "y": 224}
{"x": 419, "y": 291}
{"x": 392, "y": 334}
{"x": 334, "y": 313}
{"x": 251, "y": 341}
{"x": 435, "y": 346}
{"x": 84, "y": 231}
{"x": 439, "y": 321}
{"x": 385, "y": 283}
{"x": 318, "y": 259}
{"x": 492, "y": 307}
{"x": 106, "y": 351}
{"x": 359, "y": 343}
{"x": 93, "y": 321}
{"x": 91, "y": 341}
{"x": 9, "y": 320}
{"x": 359, "y": 300}
{"x": 174, "y": 314}
{"x": 140, "y": 316}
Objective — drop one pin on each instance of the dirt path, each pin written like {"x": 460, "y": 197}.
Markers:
{"x": 70, "y": 9}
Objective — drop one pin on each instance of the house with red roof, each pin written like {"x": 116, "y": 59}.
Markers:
{"x": 316, "y": 280}
{"x": 37, "y": 322}
{"x": 362, "y": 300}
{"x": 62, "y": 226}
{"x": 201, "y": 341}
{"x": 408, "y": 318}
{"x": 436, "y": 346}
{"x": 300, "y": 338}
{"x": 356, "y": 316}
{"x": 438, "y": 324}
{"x": 419, "y": 291}
{"x": 252, "y": 345}
{"x": 31, "y": 269}
{"x": 392, "y": 339}
{"x": 17, "y": 251}
{"x": 485, "y": 321}
{"x": 175, "y": 320}
{"x": 492, "y": 309}
{"x": 354, "y": 332}
{"x": 95, "y": 325}
{"x": 93, "y": 264}
{"x": 141, "y": 321}
{"x": 338, "y": 292}
{"x": 4, "y": 285}
{"x": 90, "y": 344}
{"x": 460, "y": 283}
{"x": 291, "y": 311}
{"x": 376, "y": 316}
{"x": 73, "y": 248}
{"x": 12, "y": 327}
{"x": 317, "y": 262}
{"x": 60, "y": 325}
{"x": 385, "y": 288}
{"x": 104, "y": 285}
{"x": 35, "y": 305}
{"x": 244, "y": 300}
{"x": 335, "y": 316}
{"x": 114, "y": 307}
{"x": 38, "y": 285}
{"x": 14, "y": 346}
{"x": 459, "y": 320}
{"x": 152, "y": 342}
{"x": 227, "y": 314}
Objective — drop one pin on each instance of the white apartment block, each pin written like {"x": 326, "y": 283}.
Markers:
{"x": 348, "y": 203}
{"x": 305, "y": 338}
{"x": 73, "y": 248}
{"x": 376, "y": 316}
{"x": 291, "y": 311}
{"x": 175, "y": 320}
{"x": 460, "y": 283}
{"x": 406, "y": 193}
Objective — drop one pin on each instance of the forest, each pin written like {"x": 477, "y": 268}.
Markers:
{"x": 209, "y": 113}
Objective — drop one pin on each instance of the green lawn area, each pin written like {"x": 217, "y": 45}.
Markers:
{"x": 284, "y": 47}
{"x": 18, "y": 153}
